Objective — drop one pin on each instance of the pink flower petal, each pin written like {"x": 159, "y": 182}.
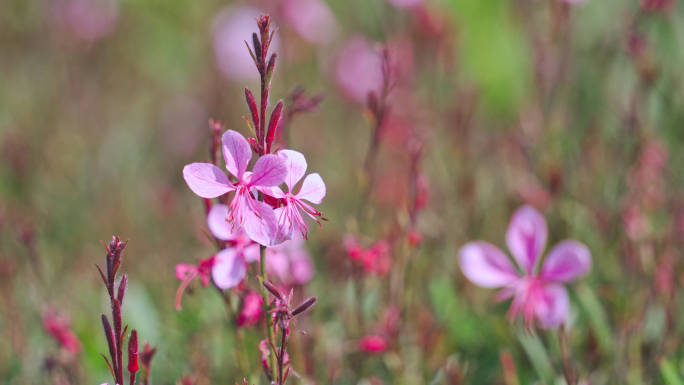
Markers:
{"x": 296, "y": 166}
{"x": 485, "y": 265}
{"x": 261, "y": 226}
{"x": 313, "y": 189}
{"x": 229, "y": 269}
{"x": 251, "y": 253}
{"x": 269, "y": 170}
{"x": 311, "y": 19}
{"x": 566, "y": 261}
{"x": 553, "y": 310}
{"x": 236, "y": 152}
{"x": 206, "y": 180}
{"x": 184, "y": 271}
{"x": 218, "y": 224}
{"x": 526, "y": 237}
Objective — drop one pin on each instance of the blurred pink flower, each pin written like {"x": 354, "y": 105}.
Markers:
{"x": 311, "y": 19}
{"x": 290, "y": 262}
{"x": 186, "y": 272}
{"x": 231, "y": 28}
{"x": 538, "y": 291}
{"x": 255, "y": 217}
{"x": 57, "y": 326}
{"x": 250, "y": 309}
{"x": 358, "y": 69}
{"x": 375, "y": 259}
{"x": 312, "y": 190}
{"x": 373, "y": 344}
{"x": 88, "y": 20}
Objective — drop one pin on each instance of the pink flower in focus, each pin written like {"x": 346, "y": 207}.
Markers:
{"x": 537, "y": 292}
{"x": 312, "y": 190}
{"x": 57, "y": 326}
{"x": 88, "y": 20}
{"x": 358, "y": 69}
{"x": 232, "y": 27}
{"x": 375, "y": 259}
{"x": 208, "y": 181}
{"x": 250, "y": 309}
{"x": 186, "y": 272}
{"x": 311, "y": 19}
{"x": 290, "y": 262}
{"x": 373, "y": 344}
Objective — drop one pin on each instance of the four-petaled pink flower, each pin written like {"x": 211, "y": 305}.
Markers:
{"x": 537, "y": 292}
{"x": 312, "y": 190}
{"x": 255, "y": 217}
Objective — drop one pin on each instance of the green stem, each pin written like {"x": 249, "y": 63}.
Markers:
{"x": 264, "y": 296}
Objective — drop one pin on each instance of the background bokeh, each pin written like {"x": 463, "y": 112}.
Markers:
{"x": 576, "y": 109}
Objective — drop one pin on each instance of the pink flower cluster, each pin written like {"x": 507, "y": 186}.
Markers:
{"x": 375, "y": 259}
{"x": 537, "y": 292}
{"x": 57, "y": 326}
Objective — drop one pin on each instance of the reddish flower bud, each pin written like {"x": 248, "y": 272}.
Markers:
{"x": 273, "y": 124}
{"x": 251, "y": 104}
{"x": 133, "y": 352}
{"x": 273, "y": 290}
{"x": 304, "y": 306}
{"x": 373, "y": 344}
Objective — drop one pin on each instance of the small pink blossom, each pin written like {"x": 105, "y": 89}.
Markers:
{"x": 312, "y": 190}
{"x": 311, "y": 19}
{"x": 375, "y": 259}
{"x": 186, "y": 272}
{"x": 358, "y": 70}
{"x": 256, "y": 218}
{"x": 57, "y": 326}
{"x": 250, "y": 309}
{"x": 537, "y": 292}
{"x": 373, "y": 344}
{"x": 231, "y": 28}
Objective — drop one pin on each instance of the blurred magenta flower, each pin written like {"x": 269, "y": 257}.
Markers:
{"x": 311, "y": 19}
{"x": 358, "y": 69}
{"x": 208, "y": 181}
{"x": 375, "y": 259}
{"x": 231, "y": 28}
{"x": 57, "y": 326}
{"x": 250, "y": 309}
{"x": 312, "y": 190}
{"x": 88, "y": 20}
{"x": 290, "y": 262}
{"x": 537, "y": 291}
{"x": 373, "y": 344}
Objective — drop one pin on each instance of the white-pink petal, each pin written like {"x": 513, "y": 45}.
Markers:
{"x": 313, "y": 189}
{"x": 236, "y": 152}
{"x": 296, "y": 166}
{"x": 261, "y": 226}
{"x": 566, "y": 261}
{"x": 526, "y": 237}
{"x": 217, "y": 220}
{"x": 229, "y": 269}
{"x": 554, "y": 309}
{"x": 206, "y": 180}
{"x": 487, "y": 266}
{"x": 269, "y": 170}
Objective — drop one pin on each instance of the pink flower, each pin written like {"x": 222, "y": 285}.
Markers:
{"x": 373, "y": 344}
{"x": 250, "y": 310}
{"x": 537, "y": 291}
{"x": 290, "y": 262}
{"x": 230, "y": 266}
{"x": 311, "y": 19}
{"x": 208, "y": 181}
{"x": 57, "y": 326}
{"x": 232, "y": 27}
{"x": 186, "y": 272}
{"x": 375, "y": 259}
{"x": 312, "y": 190}
{"x": 358, "y": 70}
{"x": 88, "y": 20}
